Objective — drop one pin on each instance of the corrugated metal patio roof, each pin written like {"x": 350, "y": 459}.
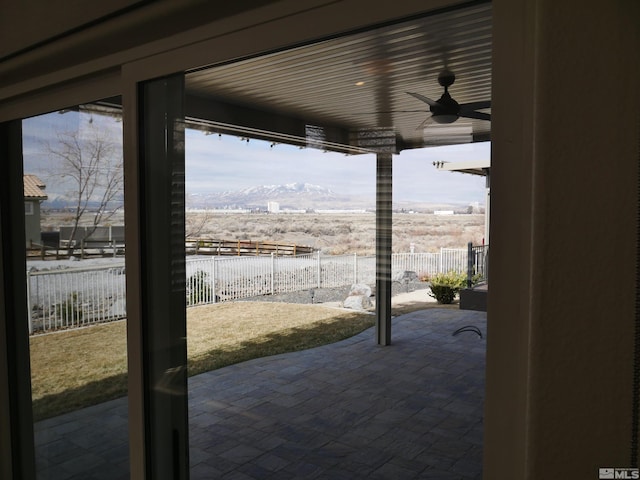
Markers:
{"x": 360, "y": 80}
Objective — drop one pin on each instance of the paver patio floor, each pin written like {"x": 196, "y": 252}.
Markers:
{"x": 348, "y": 410}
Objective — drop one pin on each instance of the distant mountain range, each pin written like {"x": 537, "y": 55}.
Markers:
{"x": 298, "y": 196}
{"x": 291, "y": 196}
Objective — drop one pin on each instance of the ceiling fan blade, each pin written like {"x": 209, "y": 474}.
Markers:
{"x": 475, "y": 105}
{"x": 390, "y": 111}
{"x": 422, "y": 98}
{"x": 425, "y": 122}
{"x": 476, "y": 115}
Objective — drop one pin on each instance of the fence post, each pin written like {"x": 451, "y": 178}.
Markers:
{"x": 214, "y": 273}
{"x": 469, "y": 264}
{"x": 440, "y": 261}
{"x": 319, "y": 270}
{"x": 485, "y": 263}
{"x": 355, "y": 268}
{"x": 273, "y": 265}
{"x": 29, "y": 302}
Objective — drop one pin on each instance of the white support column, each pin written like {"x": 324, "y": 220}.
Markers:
{"x": 384, "y": 180}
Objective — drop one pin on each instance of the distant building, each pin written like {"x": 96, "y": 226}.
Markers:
{"x": 273, "y": 207}
{"x": 443, "y": 212}
{"x": 33, "y": 197}
{"x": 341, "y": 211}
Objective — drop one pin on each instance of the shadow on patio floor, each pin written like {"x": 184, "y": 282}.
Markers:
{"x": 348, "y": 410}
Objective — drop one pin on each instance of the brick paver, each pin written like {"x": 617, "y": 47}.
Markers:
{"x": 347, "y": 410}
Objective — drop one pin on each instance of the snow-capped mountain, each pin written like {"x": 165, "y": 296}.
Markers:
{"x": 291, "y": 195}
{"x": 296, "y": 189}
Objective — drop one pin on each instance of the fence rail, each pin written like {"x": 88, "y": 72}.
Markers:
{"x": 102, "y": 245}
{"x": 77, "y": 297}
{"x": 201, "y": 246}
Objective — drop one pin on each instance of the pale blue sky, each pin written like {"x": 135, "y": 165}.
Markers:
{"x": 225, "y": 163}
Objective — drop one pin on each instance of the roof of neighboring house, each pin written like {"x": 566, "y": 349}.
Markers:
{"x": 474, "y": 167}
{"x": 33, "y": 187}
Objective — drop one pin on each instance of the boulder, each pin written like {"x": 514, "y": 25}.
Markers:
{"x": 407, "y": 276}
{"x": 360, "y": 289}
{"x": 357, "y": 302}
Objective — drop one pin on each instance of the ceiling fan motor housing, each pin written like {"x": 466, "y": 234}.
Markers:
{"x": 447, "y": 109}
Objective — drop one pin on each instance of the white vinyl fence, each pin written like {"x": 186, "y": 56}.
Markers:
{"x": 214, "y": 279}
{"x": 426, "y": 264}
{"x": 77, "y": 297}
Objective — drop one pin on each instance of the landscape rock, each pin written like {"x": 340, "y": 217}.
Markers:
{"x": 360, "y": 289}
{"x": 407, "y": 276}
{"x": 357, "y": 302}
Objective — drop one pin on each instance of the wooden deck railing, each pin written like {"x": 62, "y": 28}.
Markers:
{"x": 200, "y": 246}
{"x": 241, "y": 248}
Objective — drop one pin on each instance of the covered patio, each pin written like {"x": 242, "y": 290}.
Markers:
{"x": 561, "y": 399}
{"x": 346, "y": 410}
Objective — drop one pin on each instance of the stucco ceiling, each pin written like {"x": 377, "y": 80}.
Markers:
{"x": 357, "y": 82}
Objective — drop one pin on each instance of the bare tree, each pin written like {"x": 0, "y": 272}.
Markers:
{"x": 90, "y": 161}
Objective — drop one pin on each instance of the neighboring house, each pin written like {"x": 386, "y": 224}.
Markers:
{"x": 33, "y": 196}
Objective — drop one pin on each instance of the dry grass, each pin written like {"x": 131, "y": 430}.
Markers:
{"x": 227, "y": 333}
{"x": 77, "y": 368}
{"x": 337, "y": 234}
{"x": 74, "y": 369}
{"x": 333, "y": 234}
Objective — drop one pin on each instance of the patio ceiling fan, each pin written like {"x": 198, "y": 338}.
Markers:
{"x": 446, "y": 109}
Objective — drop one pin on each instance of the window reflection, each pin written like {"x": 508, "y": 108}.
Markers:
{"x": 74, "y": 225}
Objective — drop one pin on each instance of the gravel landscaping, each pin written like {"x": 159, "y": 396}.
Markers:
{"x": 331, "y": 295}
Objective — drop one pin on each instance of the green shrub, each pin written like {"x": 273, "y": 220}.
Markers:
{"x": 445, "y": 286}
